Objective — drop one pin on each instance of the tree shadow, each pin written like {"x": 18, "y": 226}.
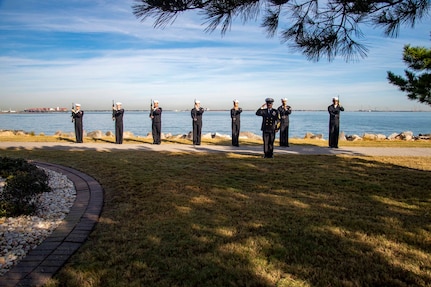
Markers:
{"x": 215, "y": 220}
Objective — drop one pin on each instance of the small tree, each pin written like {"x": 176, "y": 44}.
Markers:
{"x": 417, "y": 81}
{"x": 24, "y": 184}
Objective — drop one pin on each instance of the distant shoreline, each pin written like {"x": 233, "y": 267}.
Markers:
{"x": 180, "y": 111}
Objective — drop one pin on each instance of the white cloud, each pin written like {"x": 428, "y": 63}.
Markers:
{"x": 124, "y": 58}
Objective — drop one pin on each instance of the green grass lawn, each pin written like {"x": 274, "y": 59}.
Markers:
{"x": 176, "y": 219}
{"x": 219, "y": 141}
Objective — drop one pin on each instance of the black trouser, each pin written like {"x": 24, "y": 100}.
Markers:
{"x": 118, "y": 133}
{"x": 284, "y": 135}
{"x": 235, "y": 133}
{"x": 334, "y": 131}
{"x": 78, "y": 130}
{"x": 156, "y": 130}
{"x": 268, "y": 143}
{"x": 197, "y": 130}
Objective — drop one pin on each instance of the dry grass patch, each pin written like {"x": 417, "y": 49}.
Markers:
{"x": 219, "y": 141}
{"x": 173, "y": 219}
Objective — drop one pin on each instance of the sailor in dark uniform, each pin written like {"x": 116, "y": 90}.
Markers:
{"x": 334, "y": 122}
{"x": 270, "y": 120}
{"x": 236, "y": 122}
{"x": 284, "y": 111}
{"x": 156, "y": 122}
{"x": 196, "y": 114}
{"x": 118, "y": 113}
{"x": 77, "y": 115}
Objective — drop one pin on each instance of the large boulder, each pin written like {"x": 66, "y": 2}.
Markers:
{"x": 354, "y": 138}
{"x": 215, "y": 136}
{"x": 394, "y": 136}
{"x": 128, "y": 135}
{"x": 342, "y": 137}
{"x": 20, "y": 133}
{"x": 308, "y": 135}
{"x": 381, "y": 137}
{"x": 6, "y": 133}
{"x": 424, "y": 136}
{"x": 369, "y": 137}
{"x": 165, "y": 136}
{"x": 95, "y": 134}
{"x": 249, "y": 135}
{"x": 407, "y": 135}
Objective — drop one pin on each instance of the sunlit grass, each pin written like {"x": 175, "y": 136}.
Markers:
{"x": 176, "y": 219}
{"x": 219, "y": 141}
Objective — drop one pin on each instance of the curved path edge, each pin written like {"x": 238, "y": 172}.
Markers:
{"x": 41, "y": 263}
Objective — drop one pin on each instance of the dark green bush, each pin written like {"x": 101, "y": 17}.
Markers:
{"x": 24, "y": 183}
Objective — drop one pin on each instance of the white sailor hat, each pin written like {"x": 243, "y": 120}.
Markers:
{"x": 118, "y": 103}
{"x": 156, "y": 101}
{"x": 284, "y": 99}
{"x": 235, "y": 101}
{"x": 77, "y": 105}
{"x": 335, "y": 98}
{"x": 197, "y": 102}
{"x": 269, "y": 100}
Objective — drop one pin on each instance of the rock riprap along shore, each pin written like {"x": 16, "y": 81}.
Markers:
{"x": 18, "y": 235}
{"x": 98, "y": 134}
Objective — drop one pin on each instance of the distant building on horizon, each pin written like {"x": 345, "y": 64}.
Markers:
{"x": 45, "y": 110}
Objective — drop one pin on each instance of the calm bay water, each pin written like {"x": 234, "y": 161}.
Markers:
{"x": 219, "y": 122}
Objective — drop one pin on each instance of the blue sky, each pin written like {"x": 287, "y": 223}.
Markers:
{"x": 53, "y": 53}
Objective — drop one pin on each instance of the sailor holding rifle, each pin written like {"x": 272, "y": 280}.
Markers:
{"x": 156, "y": 121}
{"x": 334, "y": 122}
{"x": 77, "y": 116}
{"x": 196, "y": 114}
{"x": 117, "y": 114}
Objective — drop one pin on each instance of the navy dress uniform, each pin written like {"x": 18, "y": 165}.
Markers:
{"x": 196, "y": 114}
{"x": 235, "y": 114}
{"x": 334, "y": 122}
{"x": 156, "y": 122}
{"x": 119, "y": 127}
{"x": 77, "y": 117}
{"x": 284, "y": 111}
{"x": 269, "y": 127}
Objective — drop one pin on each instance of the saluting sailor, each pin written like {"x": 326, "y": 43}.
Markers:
{"x": 236, "y": 122}
{"x": 270, "y": 120}
{"x": 118, "y": 116}
{"x": 77, "y": 115}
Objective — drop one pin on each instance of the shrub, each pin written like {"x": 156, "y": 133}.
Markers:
{"x": 24, "y": 183}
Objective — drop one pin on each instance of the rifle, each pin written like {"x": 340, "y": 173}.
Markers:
{"x": 73, "y": 109}
{"x": 151, "y": 107}
{"x": 113, "y": 110}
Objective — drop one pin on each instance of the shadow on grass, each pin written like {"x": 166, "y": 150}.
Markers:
{"x": 66, "y": 139}
{"x": 231, "y": 220}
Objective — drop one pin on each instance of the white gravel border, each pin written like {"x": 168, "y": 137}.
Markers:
{"x": 19, "y": 235}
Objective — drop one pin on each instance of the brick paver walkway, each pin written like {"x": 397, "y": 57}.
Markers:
{"x": 41, "y": 263}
